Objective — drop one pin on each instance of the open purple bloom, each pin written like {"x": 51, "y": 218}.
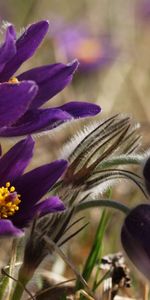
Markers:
{"x": 21, "y": 97}
{"x": 135, "y": 236}
{"x": 93, "y": 52}
{"x": 20, "y": 194}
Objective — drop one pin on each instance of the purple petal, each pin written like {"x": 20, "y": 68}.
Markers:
{"x": 81, "y": 109}
{"x": 8, "y": 48}
{"x": 49, "y": 205}
{"x": 35, "y": 121}
{"x": 35, "y": 184}
{"x": 26, "y": 46}
{"x": 14, "y": 162}
{"x": 8, "y": 229}
{"x": 146, "y": 174}
{"x": 15, "y": 100}
{"x": 135, "y": 237}
{"x": 51, "y": 80}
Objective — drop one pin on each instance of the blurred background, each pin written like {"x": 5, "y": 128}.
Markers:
{"x": 111, "y": 40}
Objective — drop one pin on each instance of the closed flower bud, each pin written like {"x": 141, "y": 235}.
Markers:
{"x": 146, "y": 174}
{"x": 135, "y": 235}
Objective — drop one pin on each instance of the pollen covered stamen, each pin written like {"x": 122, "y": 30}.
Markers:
{"x": 9, "y": 201}
{"x": 13, "y": 80}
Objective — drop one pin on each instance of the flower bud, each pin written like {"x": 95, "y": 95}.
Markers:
{"x": 146, "y": 174}
{"x": 135, "y": 237}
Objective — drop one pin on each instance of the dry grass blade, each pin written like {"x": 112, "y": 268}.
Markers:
{"x": 63, "y": 224}
{"x": 51, "y": 288}
{"x": 73, "y": 234}
{"x": 16, "y": 280}
{"x": 72, "y": 224}
{"x": 51, "y": 244}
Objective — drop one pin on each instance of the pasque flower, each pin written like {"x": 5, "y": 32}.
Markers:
{"x": 93, "y": 52}
{"x": 22, "y": 96}
{"x": 135, "y": 232}
{"x": 135, "y": 236}
{"x": 146, "y": 174}
{"x": 20, "y": 194}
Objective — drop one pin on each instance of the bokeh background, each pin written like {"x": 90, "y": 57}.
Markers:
{"x": 122, "y": 83}
{"x": 117, "y": 33}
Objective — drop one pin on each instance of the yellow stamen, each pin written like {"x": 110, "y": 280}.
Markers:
{"x": 13, "y": 80}
{"x": 12, "y": 189}
{"x": 9, "y": 201}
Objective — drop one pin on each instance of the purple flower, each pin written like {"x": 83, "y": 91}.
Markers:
{"x": 146, "y": 174}
{"x": 135, "y": 236}
{"x": 21, "y": 97}
{"x": 20, "y": 194}
{"x": 143, "y": 10}
{"x": 93, "y": 52}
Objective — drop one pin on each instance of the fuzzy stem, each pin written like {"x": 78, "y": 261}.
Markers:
{"x": 19, "y": 289}
{"x": 135, "y": 159}
{"x": 103, "y": 203}
{"x": 12, "y": 264}
{"x": 24, "y": 277}
{"x": 3, "y": 286}
{"x": 7, "y": 282}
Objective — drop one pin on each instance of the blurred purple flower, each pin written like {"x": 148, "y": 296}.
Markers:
{"x": 92, "y": 52}
{"x": 135, "y": 236}
{"x": 143, "y": 10}
{"x": 21, "y": 97}
{"x": 20, "y": 194}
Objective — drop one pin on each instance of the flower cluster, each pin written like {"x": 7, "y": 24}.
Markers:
{"x": 23, "y": 196}
{"x": 91, "y": 162}
{"x": 21, "y": 97}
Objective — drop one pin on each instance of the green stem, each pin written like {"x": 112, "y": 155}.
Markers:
{"x": 19, "y": 289}
{"x": 3, "y": 286}
{"x": 135, "y": 159}
{"x": 24, "y": 277}
{"x": 107, "y": 274}
{"x": 103, "y": 203}
{"x": 12, "y": 264}
{"x": 6, "y": 281}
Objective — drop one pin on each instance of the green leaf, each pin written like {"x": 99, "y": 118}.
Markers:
{"x": 95, "y": 250}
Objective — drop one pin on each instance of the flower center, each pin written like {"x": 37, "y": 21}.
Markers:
{"x": 88, "y": 50}
{"x": 13, "y": 80}
{"x": 9, "y": 201}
